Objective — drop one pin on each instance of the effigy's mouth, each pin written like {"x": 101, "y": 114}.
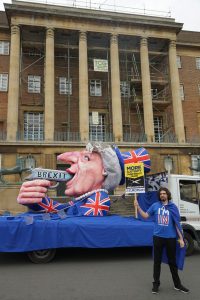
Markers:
{"x": 71, "y": 173}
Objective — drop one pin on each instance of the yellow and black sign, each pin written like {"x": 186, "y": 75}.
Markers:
{"x": 134, "y": 174}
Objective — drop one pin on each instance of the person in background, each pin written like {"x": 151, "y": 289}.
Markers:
{"x": 166, "y": 229}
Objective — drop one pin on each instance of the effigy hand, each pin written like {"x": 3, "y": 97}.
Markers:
{"x": 33, "y": 191}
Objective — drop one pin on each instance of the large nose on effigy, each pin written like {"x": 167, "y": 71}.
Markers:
{"x": 68, "y": 156}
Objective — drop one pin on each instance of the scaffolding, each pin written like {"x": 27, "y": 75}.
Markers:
{"x": 99, "y": 99}
{"x": 67, "y": 67}
{"x": 160, "y": 88}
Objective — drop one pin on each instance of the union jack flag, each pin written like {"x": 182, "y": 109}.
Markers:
{"x": 138, "y": 155}
{"x": 47, "y": 205}
{"x": 97, "y": 204}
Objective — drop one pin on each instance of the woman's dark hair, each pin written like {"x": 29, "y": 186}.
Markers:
{"x": 166, "y": 190}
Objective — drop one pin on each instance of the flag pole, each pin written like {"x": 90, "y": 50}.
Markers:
{"x": 136, "y": 208}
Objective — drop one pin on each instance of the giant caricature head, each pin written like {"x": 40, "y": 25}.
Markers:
{"x": 96, "y": 167}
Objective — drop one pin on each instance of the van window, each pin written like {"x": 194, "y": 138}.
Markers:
{"x": 188, "y": 191}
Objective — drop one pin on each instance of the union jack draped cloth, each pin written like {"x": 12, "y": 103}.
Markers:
{"x": 48, "y": 205}
{"x": 97, "y": 204}
{"x": 136, "y": 156}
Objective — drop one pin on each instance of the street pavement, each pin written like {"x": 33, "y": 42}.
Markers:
{"x": 93, "y": 274}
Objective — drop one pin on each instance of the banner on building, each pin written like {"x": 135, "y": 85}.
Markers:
{"x": 101, "y": 65}
{"x": 134, "y": 174}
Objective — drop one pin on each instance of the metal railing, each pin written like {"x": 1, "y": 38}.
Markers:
{"x": 193, "y": 139}
{"x": 67, "y": 136}
{"x": 104, "y": 6}
{"x": 135, "y": 137}
{"x": 167, "y": 137}
{"x": 105, "y": 137}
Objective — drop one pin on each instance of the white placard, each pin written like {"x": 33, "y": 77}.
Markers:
{"x": 95, "y": 118}
{"x": 101, "y": 65}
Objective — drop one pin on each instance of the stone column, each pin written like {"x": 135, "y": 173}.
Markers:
{"x": 115, "y": 90}
{"x": 13, "y": 92}
{"x": 49, "y": 86}
{"x": 198, "y": 122}
{"x": 146, "y": 91}
{"x": 83, "y": 88}
{"x": 176, "y": 98}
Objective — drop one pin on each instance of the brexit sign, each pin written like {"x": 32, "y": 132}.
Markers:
{"x": 134, "y": 175}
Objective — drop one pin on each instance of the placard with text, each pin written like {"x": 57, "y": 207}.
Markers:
{"x": 135, "y": 182}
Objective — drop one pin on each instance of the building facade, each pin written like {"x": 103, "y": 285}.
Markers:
{"x": 69, "y": 75}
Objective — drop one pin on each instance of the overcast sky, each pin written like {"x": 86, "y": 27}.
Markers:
{"x": 184, "y": 11}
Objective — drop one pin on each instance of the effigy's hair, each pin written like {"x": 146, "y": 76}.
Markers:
{"x": 110, "y": 161}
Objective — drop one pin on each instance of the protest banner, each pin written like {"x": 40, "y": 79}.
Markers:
{"x": 135, "y": 182}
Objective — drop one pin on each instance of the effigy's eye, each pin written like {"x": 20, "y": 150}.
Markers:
{"x": 86, "y": 157}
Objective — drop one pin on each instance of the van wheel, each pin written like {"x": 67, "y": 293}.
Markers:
{"x": 189, "y": 243}
{"x": 41, "y": 256}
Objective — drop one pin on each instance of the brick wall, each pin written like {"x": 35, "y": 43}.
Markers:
{"x": 190, "y": 78}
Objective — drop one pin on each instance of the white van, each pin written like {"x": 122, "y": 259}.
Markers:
{"x": 185, "y": 191}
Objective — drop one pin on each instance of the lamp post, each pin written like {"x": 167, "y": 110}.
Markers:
{"x": 168, "y": 163}
{"x": 195, "y": 163}
{"x": 30, "y": 162}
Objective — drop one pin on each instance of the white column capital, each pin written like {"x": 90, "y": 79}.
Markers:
{"x": 50, "y": 32}
{"x": 82, "y": 35}
{"x": 143, "y": 41}
{"x": 114, "y": 38}
{"x": 172, "y": 44}
{"x": 15, "y": 29}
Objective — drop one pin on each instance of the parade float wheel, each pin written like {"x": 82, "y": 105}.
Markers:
{"x": 189, "y": 243}
{"x": 41, "y": 256}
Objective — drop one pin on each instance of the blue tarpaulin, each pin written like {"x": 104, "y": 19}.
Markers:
{"x": 29, "y": 231}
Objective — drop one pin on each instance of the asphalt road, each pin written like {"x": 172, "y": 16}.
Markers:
{"x": 93, "y": 274}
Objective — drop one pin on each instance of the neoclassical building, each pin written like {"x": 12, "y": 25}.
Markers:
{"x": 69, "y": 75}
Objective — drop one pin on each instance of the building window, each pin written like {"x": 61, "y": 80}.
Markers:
{"x": 4, "y": 48}
{"x": 182, "y": 92}
{"x": 125, "y": 88}
{"x": 198, "y": 63}
{"x": 178, "y": 62}
{"x": 65, "y": 86}
{"x": 158, "y": 129}
{"x": 97, "y": 131}
{"x": 34, "y": 84}
{"x": 95, "y": 87}
{"x": 4, "y": 82}
{"x": 33, "y": 126}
